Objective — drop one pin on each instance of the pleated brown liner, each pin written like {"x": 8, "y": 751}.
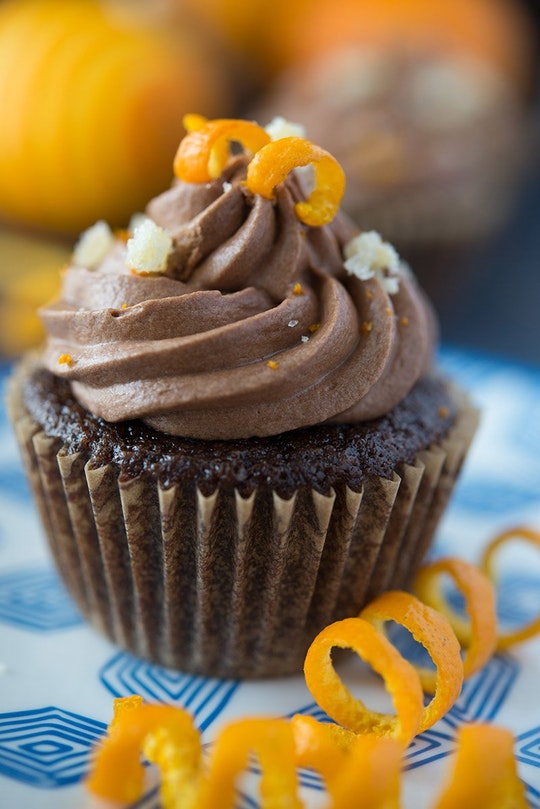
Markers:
{"x": 223, "y": 585}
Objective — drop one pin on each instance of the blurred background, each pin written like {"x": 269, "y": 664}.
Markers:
{"x": 433, "y": 109}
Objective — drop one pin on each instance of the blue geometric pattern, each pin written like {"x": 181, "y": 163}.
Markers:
{"x": 47, "y": 747}
{"x": 204, "y": 698}
{"x": 496, "y": 498}
{"x": 527, "y": 748}
{"x": 518, "y": 599}
{"x": 13, "y": 484}
{"x": 36, "y": 599}
{"x": 485, "y": 693}
{"x": 427, "y": 747}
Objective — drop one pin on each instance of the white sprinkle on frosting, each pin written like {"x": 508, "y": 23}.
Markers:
{"x": 226, "y": 186}
{"x": 149, "y": 248}
{"x": 279, "y": 128}
{"x": 136, "y": 220}
{"x": 292, "y": 323}
{"x": 305, "y": 338}
{"x": 368, "y": 256}
{"x": 93, "y": 245}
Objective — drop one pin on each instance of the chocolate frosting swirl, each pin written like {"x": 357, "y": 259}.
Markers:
{"x": 247, "y": 284}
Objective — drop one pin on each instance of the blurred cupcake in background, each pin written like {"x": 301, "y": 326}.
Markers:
{"x": 426, "y": 105}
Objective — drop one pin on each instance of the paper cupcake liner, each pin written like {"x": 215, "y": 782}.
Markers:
{"x": 223, "y": 585}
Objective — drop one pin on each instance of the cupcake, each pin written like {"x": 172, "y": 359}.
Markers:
{"x": 433, "y": 144}
{"x": 234, "y": 432}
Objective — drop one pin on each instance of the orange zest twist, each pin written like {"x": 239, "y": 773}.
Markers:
{"x": 485, "y": 771}
{"x": 333, "y": 696}
{"x": 507, "y": 639}
{"x": 479, "y": 634}
{"x": 168, "y": 738}
{"x": 273, "y": 163}
{"x": 370, "y": 776}
{"x": 321, "y": 745}
{"x": 433, "y": 631}
{"x": 273, "y": 742}
{"x": 204, "y": 151}
{"x": 358, "y": 770}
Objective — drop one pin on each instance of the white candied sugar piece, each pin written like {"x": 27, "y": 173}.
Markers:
{"x": 93, "y": 245}
{"x": 136, "y": 220}
{"x": 149, "y": 248}
{"x": 279, "y": 128}
{"x": 367, "y": 256}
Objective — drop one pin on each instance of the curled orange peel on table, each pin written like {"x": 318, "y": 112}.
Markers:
{"x": 169, "y": 739}
{"x": 485, "y": 772}
{"x": 323, "y": 746}
{"x": 204, "y": 151}
{"x": 353, "y": 767}
{"x": 505, "y": 639}
{"x": 360, "y": 758}
{"x": 433, "y": 631}
{"x": 332, "y": 695}
{"x": 272, "y": 741}
{"x": 273, "y": 162}
{"x": 370, "y": 777}
{"x": 478, "y": 635}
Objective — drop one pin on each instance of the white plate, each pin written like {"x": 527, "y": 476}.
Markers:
{"x": 58, "y": 677}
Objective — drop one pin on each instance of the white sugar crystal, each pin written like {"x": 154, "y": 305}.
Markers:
{"x": 367, "y": 256}
{"x": 279, "y": 128}
{"x": 93, "y": 245}
{"x": 305, "y": 338}
{"x": 292, "y": 323}
{"x": 136, "y": 220}
{"x": 149, "y": 248}
{"x": 391, "y": 284}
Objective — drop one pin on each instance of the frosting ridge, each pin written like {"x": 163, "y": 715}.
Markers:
{"x": 254, "y": 327}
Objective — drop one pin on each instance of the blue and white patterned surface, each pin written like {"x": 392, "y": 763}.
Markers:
{"x": 58, "y": 678}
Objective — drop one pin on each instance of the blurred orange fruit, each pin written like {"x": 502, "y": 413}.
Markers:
{"x": 29, "y": 277}
{"x": 92, "y": 109}
{"x": 288, "y": 31}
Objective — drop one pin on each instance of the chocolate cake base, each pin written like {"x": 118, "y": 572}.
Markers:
{"x": 227, "y": 558}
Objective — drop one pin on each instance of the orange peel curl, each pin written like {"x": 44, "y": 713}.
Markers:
{"x": 430, "y": 628}
{"x": 370, "y": 776}
{"x": 511, "y": 637}
{"x": 273, "y": 162}
{"x": 168, "y": 738}
{"x": 478, "y": 635}
{"x": 204, "y": 151}
{"x": 334, "y": 697}
{"x": 358, "y": 770}
{"x": 273, "y": 742}
{"x": 485, "y": 771}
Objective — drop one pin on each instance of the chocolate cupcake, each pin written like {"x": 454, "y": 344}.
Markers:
{"x": 234, "y": 433}
{"x": 434, "y": 145}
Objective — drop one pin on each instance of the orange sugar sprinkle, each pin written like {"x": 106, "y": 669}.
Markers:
{"x": 140, "y": 273}
{"x": 124, "y": 306}
{"x": 369, "y": 294}
{"x": 443, "y": 412}
{"x": 273, "y": 365}
{"x": 65, "y": 359}
{"x": 314, "y": 327}
{"x": 389, "y": 311}
{"x": 297, "y": 289}
{"x": 404, "y": 321}
{"x": 366, "y": 327}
